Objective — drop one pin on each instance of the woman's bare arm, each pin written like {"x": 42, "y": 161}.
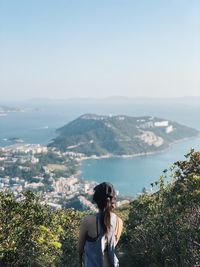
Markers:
{"x": 81, "y": 241}
{"x": 119, "y": 229}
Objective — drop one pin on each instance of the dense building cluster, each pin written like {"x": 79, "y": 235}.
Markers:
{"x": 41, "y": 169}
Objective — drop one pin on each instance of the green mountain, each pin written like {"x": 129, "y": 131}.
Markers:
{"x": 92, "y": 134}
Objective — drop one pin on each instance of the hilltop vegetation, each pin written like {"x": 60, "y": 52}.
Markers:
{"x": 161, "y": 229}
{"x": 119, "y": 135}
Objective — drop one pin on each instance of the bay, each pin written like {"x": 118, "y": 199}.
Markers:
{"x": 40, "y": 120}
{"x": 131, "y": 175}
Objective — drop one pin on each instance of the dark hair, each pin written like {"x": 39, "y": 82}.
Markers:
{"x": 105, "y": 198}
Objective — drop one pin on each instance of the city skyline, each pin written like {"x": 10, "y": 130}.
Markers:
{"x": 95, "y": 49}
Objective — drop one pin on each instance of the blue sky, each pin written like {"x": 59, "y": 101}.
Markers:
{"x": 62, "y": 49}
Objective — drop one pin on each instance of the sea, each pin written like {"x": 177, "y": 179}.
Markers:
{"x": 38, "y": 121}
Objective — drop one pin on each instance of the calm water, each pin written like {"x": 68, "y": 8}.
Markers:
{"x": 39, "y": 122}
{"x": 131, "y": 175}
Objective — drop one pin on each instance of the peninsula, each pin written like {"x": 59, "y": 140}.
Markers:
{"x": 98, "y": 135}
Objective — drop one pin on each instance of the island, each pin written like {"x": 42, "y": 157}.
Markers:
{"x": 101, "y": 136}
{"x": 54, "y": 171}
{"x": 16, "y": 140}
{"x": 6, "y": 109}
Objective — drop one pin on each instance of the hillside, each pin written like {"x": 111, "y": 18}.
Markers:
{"x": 160, "y": 229}
{"x": 92, "y": 134}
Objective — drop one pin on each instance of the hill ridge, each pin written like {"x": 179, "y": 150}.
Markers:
{"x": 99, "y": 135}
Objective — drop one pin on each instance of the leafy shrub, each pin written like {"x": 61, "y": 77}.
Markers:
{"x": 33, "y": 235}
{"x": 163, "y": 228}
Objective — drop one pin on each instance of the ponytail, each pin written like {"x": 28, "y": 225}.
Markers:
{"x": 105, "y": 198}
{"x": 107, "y": 214}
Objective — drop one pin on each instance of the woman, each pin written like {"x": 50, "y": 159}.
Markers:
{"x": 100, "y": 233}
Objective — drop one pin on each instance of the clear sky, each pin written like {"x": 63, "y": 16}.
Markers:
{"x": 92, "y": 48}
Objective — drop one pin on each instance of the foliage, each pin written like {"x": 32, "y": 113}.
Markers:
{"x": 117, "y": 135}
{"x": 33, "y": 235}
{"x": 70, "y": 220}
{"x": 163, "y": 228}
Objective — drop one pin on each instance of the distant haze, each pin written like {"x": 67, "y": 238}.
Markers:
{"x": 65, "y": 49}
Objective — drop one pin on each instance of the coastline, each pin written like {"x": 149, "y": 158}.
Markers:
{"x": 142, "y": 154}
{"x": 95, "y": 157}
{"x": 79, "y": 158}
{"x": 139, "y": 174}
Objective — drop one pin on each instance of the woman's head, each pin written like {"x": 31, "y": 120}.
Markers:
{"x": 105, "y": 198}
{"x": 103, "y": 193}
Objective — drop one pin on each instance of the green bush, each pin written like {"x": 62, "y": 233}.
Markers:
{"x": 163, "y": 228}
{"x": 33, "y": 235}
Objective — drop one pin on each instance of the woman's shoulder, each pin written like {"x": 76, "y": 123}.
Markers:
{"x": 89, "y": 218}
